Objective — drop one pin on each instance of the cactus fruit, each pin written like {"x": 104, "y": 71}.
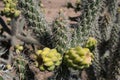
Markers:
{"x": 42, "y": 68}
{"x": 18, "y": 48}
{"x": 9, "y": 66}
{"x": 48, "y": 59}
{"x": 10, "y": 9}
{"x": 91, "y": 43}
{"x": 78, "y": 58}
{"x": 17, "y": 13}
{"x": 8, "y": 20}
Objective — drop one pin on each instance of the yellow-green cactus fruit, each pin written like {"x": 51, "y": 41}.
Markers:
{"x": 6, "y": 10}
{"x": 36, "y": 64}
{"x": 78, "y": 58}
{"x": 19, "y": 48}
{"x": 51, "y": 68}
{"x": 42, "y": 68}
{"x": 12, "y": 5}
{"x": 46, "y": 59}
{"x": 17, "y": 13}
{"x": 78, "y": 1}
{"x": 80, "y": 51}
{"x": 50, "y": 63}
{"x": 8, "y": 1}
{"x": 66, "y": 57}
{"x": 70, "y": 62}
{"x": 8, "y": 66}
{"x": 8, "y": 20}
{"x": 72, "y": 53}
{"x": 45, "y": 51}
{"x": 52, "y": 55}
{"x": 91, "y": 43}
{"x": 87, "y": 59}
{"x": 54, "y": 58}
{"x": 58, "y": 56}
{"x": 50, "y": 59}
{"x": 10, "y": 9}
{"x": 7, "y": 5}
{"x": 38, "y": 52}
{"x": 58, "y": 63}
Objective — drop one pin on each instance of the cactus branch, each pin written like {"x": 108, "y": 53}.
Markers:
{"x": 29, "y": 40}
{"x": 5, "y": 27}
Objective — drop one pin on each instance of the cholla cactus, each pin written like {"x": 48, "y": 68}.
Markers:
{"x": 35, "y": 18}
{"x": 61, "y": 34}
{"x": 98, "y": 20}
{"x": 106, "y": 27}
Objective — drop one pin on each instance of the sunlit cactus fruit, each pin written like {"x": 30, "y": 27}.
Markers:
{"x": 36, "y": 64}
{"x": 91, "y": 43}
{"x": 10, "y": 9}
{"x": 7, "y": 5}
{"x": 12, "y": 5}
{"x": 8, "y": 20}
{"x": 8, "y": 66}
{"x": 50, "y": 63}
{"x": 78, "y": 1}
{"x": 51, "y": 68}
{"x": 17, "y": 13}
{"x": 9, "y": 1}
{"x": 19, "y": 48}
{"x": 42, "y": 68}
{"x": 6, "y": 10}
{"x": 78, "y": 58}
{"x": 48, "y": 59}
{"x": 57, "y": 63}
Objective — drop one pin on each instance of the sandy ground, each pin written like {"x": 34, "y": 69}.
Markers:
{"x": 52, "y": 8}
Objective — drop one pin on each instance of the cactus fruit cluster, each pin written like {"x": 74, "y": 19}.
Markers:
{"x": 10, "y": 10}
{"x": 47, "y": 59}
{"x": 91, "y": 43}
{"x": 78, "y": 58}
{"x": 18, "y": 48}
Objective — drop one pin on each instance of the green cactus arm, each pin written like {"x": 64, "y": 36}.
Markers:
{"x": 114, "y": 65}
{"x": 61, "y": 34}
{"x": 36, "y": 22}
